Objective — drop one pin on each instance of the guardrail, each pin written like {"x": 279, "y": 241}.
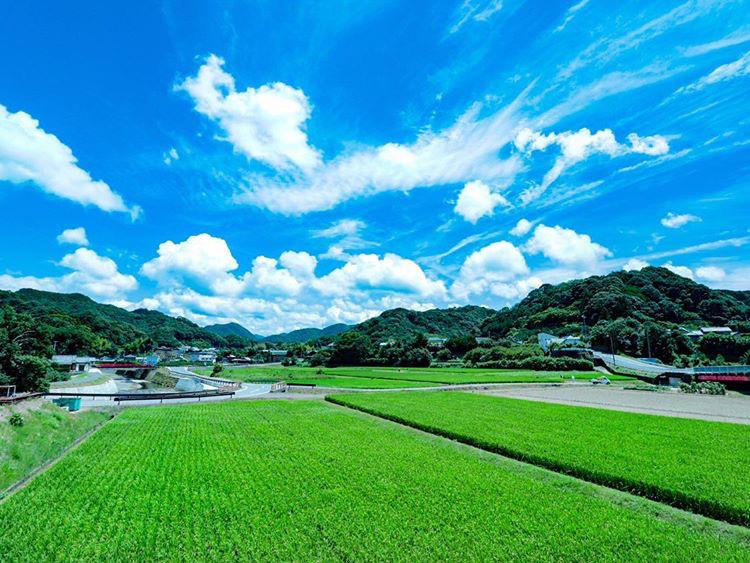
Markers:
{"x": 722, "y": 369}
{"x": 18, "y": 398}
{"x": 171, "y": 396}
{"x": 143, "y": 396}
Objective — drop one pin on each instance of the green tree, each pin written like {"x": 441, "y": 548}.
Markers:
{"x": 351, "y": 349}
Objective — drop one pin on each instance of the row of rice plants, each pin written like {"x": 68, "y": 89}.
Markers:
{"x": 692, "y": 464}
{"x": 306, "y": 480}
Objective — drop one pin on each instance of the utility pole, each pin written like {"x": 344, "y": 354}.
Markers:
{"x": 648, "y": 341}
{"x": 612, "y": 349}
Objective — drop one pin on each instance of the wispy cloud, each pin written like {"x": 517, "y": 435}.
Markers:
{"x": 477, "y": 11}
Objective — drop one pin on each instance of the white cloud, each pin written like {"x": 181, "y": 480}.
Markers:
{"x": 673, "y": 221}
{"x": 390, "y": 273}
{"x": 73, "y": 236}
{"x": 566, "y": 246}
{"x": 201, "y": 257}
{"x": 683, "y": 271}
{"x": 711, "y": 273}
{"x": 497, "y": 268}
{"x": 265, "y": 123}
{"x": 729, "y": 71}
{"x": 30, "y": 154}
{"x": 344, "y": 227}
{"x": 477, "y": 200}
{"x": 577, "y": 146}
{"x": 93, "y": 275}
{"x": 468, "y": 150}
{"x": 735, "y": 38}
{"x": 522, "y": 227}
{"x": 477, "y": 11}
{"x": 171, "y": 156}
{"x": 635, "y": 264}
{"x": 570, "y": 14}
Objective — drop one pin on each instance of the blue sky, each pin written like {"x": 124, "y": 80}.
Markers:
{"x": 297, "y": 164}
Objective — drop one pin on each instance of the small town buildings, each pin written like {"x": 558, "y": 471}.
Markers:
{"x": 73, "y": 363}
{"x": 699, "y": 333}
{"x": 436, "y": 342}
{"x": 546, "y": 341}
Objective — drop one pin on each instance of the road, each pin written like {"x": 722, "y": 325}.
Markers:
{"x": 616, "y": 360}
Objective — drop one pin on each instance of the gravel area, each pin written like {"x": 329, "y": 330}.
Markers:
{"x": 727, "y": 408}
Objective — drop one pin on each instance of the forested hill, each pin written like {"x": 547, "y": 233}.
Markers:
{"x": 233, "y": 329}
{"x": 80, "y": 325}
{"x": 306, "y": 334}
{"x": 651, "y": 295}
{"x": 403, "y": 323}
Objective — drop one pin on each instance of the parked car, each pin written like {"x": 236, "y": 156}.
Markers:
{"x": 601, "y": 381}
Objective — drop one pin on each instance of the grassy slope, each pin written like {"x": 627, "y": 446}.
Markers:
{"x": 46, "y": 432}
{"x": 434, "y": 376}
{"x": 694, "y": 464}
{"x": 306, "y": 480}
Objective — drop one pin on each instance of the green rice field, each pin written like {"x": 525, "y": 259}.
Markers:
{"x": 697, "y": 465}
{"x": 433, "y": 376}
{"x": 308, "y": 480}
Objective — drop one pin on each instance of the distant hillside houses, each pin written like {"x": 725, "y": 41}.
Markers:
{"x": 699, "y": 333}
{"x": 547, "y": 341}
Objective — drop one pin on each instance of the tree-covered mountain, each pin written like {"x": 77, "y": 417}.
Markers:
{"x": 73, "y": 323}
{"x": 401, "y": 323}
{"x": 306, "y": 334}
{"x": 233, "y": 329}
{"x": 639, "y": 312}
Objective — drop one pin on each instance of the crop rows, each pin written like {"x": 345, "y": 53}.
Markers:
{"x": 434, "y": 376}
{"x": 307, "y": 480}
{"x": 692, "y": 464}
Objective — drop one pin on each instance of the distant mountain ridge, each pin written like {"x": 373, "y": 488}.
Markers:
{"x": 233, "y": 329}
{"x": 74, "y": 323}
{"x": 306, "y": 334}
{"x": 294, "y": 336}
{"x": 649, "y": 295}
{"x": 403, "y": 323}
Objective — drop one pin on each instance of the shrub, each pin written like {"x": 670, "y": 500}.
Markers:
{"x": 540, "y": 363}
{"x": 16, "y": 420}
{"x": 704, "y": 388}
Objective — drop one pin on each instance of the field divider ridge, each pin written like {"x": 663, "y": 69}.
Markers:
{"x": 656, "y": 493}
{"x": 24, "y": 481}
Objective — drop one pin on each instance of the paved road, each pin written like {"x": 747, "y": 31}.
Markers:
{"x": 639, "y": 365}
{"x": 727, "y": 408}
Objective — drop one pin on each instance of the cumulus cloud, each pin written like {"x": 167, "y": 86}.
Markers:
{"x": 391, "y": 273}
{"x": 635, "y": 264}
{"x": 73, "y": 236}
{"x": 93, "y": 275}
{"x": 522, "y": 228}
{"x": 498, "y": 268}
{"x": 30, "y": 154}
{"x": 683, "y": 271}
{"x": 265, "y": 124}
{"x": 673, "y": 221}
{"x": 202, "y": 257}
{"x": 566, "y": 246}
{"x": 477, "y": 200}
{"x": 576, "y": 146}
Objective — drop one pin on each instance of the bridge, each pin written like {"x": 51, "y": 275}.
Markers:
{"x": 723, "y": 374}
